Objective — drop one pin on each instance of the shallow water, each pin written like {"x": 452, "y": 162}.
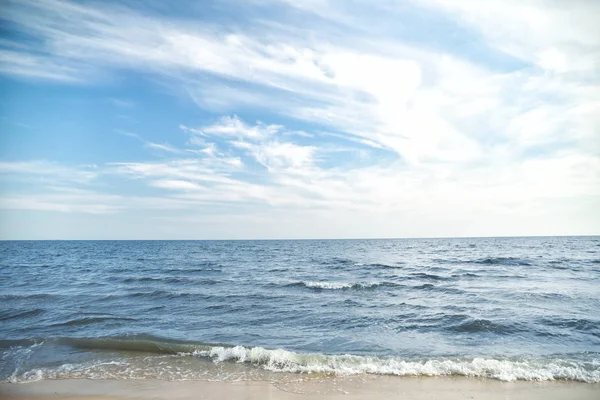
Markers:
{"x": 506, "y": 308}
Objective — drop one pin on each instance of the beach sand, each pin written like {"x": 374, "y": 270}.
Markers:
{"x": 367, "y": 388}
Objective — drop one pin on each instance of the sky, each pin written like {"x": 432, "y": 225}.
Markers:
{"x": 281, "y": 119}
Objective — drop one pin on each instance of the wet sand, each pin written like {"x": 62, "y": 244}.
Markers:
{"x": 367, "y": 388}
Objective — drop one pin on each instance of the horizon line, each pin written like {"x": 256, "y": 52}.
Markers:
{"x": 300, "y": 239}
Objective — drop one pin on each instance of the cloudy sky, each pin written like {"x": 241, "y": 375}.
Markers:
{"x": 299, "y": 119}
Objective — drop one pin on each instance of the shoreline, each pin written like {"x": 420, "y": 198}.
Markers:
{"x": 357, "y": 387}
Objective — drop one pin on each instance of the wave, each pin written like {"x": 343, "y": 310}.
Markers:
{"x": 466, "y": 275}
{"x": 281, "y": 360}
{"x": 319, "y": 286}
{"x": 424, "y": 286}
{"x": 38, "y": 296}
{"x": 90, "y": 320}
{"x": 16, "y": 314}
{"x": 341, "y": 261}
{"x": 577, "y": 324}
{"x": 160, "y": 294}
{"x": 502, "y": 261}
{"x": 133, "y": 343}
{"x": 191, "y": 270}
{"x": 423, "y": 275}
{"x": 339, "y": 285}
{"x": 483, "y": 325}
{"x": 335, "y": 263}
{"x": 506, "y": 261}
{"x": 155, "y": 279}
{"x": 278, "y": 270}
{"x": 26, "y": 266}
{"x": 399, "y": 264}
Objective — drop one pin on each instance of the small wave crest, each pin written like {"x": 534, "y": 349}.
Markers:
{"x": 505, "y": 261}
{"x": 149, "y": 279}
{"x": 483, "y": 325}
{"x": 502, "y": 261}
{"x": 19, "y": 314}
{"x": 339, "y": 285}
{"x": 432, "y": 277}
{"x": 90, "y": 320}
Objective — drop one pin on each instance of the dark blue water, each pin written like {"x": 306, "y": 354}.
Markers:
{"x": 506, "y": 308}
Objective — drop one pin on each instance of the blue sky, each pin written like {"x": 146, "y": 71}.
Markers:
{"x": 298, "y": 119}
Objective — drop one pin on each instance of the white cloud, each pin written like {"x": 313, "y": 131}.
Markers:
{"x": 162, "y": 146}
{"x": 542, "y": 31}
{"x": 261, "y": 141}
{"x": 277, "y": 155}
{"x": 234, "y": 127}
{"x": 296, "y": 179}
{"x": 42, "y": 67}
{"x": 175, "y": 184}
{"x": 49, "y": 172}
{"x": 210, "y": 170}
{"x": 56, "y": 203}
{"x": 353, "y": 91}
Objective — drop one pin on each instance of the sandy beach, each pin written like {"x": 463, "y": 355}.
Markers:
{"x": 303, "y": 387}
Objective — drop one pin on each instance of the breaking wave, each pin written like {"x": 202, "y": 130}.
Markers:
{"x": 154, "y": 364}
{"x": 506, "y": 370}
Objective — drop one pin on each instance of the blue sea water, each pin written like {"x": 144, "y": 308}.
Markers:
{"x": 503, "y": 308}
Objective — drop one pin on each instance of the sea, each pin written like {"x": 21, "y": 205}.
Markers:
{"x": 494, "y": 308}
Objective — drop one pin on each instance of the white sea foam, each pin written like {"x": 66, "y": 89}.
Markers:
{"x": 339, "y": 285}
{"x": 328, "y": 285}
{"x": 506, "y": 370}
{"x": 93, "y": 370}
{"x": 248, "y": 362}
{"x": 21, "y": 354}
{"x": 180, "y": 367}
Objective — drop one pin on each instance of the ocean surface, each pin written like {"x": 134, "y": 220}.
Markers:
{"x": 501, "y": 308}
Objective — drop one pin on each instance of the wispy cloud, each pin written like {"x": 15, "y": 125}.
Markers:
{"x": 123, "y": 103}
{"x": 423, "y": 104}
{"x": 151, "y": 145}
{"x": 50, "y": 172}
{"x": 41, "y": 67}
{"x": 291, "y": 189}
